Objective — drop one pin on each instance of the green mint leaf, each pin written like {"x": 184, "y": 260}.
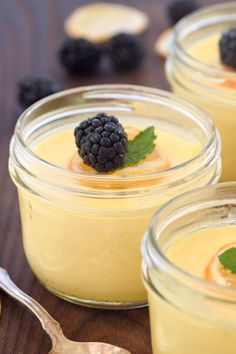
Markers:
{"x": 228, "y": 259}
{"x": 140, "y": 147}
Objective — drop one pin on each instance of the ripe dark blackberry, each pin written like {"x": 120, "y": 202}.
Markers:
{"x": 228, "y": 47}
{"x": 125, "y": 51}
{"x": 177, "y": 9}
{"x": 32, "y": 88}
{"x": 79, "y": 56}
{"x": 102, "y": 142}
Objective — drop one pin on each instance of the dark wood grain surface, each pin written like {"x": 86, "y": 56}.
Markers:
{"x": 30, "y": 33}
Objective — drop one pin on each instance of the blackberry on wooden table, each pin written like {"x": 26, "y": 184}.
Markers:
{"x": 79, "y": 56}
{"x": 32, "y": 88}
{"x": 125, "y": 51}
{"x": 177, "y": 9}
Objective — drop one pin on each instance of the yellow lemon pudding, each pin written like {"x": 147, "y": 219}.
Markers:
{"x": 202, "y": 68}
{"x": 190, "y": 273}
{"x": 83, "y": 225}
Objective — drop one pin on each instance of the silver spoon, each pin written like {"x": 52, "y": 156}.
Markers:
{"x": 60, "y": 344}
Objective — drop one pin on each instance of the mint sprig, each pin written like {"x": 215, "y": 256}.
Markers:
{"x": 228, "y": 259}
{"x": 140, "y": 147}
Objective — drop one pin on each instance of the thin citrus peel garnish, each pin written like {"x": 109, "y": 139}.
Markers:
{"x": 231, "y": 84}
{"x": 154, "y": 162}
{"x": 217, "y": 273}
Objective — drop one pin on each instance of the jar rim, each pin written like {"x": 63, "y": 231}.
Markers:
{"x": 202, "y": 16}
{"x": 154, "y": 256}
{"x": 142, "y": 91}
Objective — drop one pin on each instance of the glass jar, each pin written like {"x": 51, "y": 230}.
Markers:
{"x": 189, "y": 314}
{"x": 204, "y": 84}
{"x": 81, "y": 231}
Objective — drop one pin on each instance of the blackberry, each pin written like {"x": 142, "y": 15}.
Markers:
{"x": 79, "y": 56}
{"x": 125, "y": 51}
{"x": 32, "y": 88}
{"x": 177, "y": 9}
{"x": 228, "y": 47}
{"x": 102, "y": 142}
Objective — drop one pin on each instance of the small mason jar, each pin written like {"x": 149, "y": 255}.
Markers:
{"x": 189, "y": 314}
{"x": 82, "y": 231}
{"x": 204, "y": 84}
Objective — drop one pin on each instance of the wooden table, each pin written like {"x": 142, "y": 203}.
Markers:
{"x": 30, "y": 33}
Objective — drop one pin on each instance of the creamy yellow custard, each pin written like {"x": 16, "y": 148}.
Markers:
{"x": 194, "y": 325}
{"x": 198, "y": 74}
{"x": 207, "y": 51}
{"x": 195, "y": 254}
{"x": 82, "y": 230}
{"x": 94, "y": 256}
{"x": 59, "y": 149}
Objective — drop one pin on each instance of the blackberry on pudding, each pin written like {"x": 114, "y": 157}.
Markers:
{"x": 102, "y": 142}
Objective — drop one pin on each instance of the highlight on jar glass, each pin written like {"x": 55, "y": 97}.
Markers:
{"x": 202, "y": 68}
{"x": 86, "y": 202}
{"x": 189, "y": 270}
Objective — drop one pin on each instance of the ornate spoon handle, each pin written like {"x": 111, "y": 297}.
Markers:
{"x": 51, "y": 326}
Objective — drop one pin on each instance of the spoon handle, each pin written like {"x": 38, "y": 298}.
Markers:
{"x": 51, "y": 326}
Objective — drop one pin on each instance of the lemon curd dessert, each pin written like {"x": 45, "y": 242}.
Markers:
{"x": 202, "y": 68}
{"x": 91, "y": 166}
{"x": 190, "y": 273}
